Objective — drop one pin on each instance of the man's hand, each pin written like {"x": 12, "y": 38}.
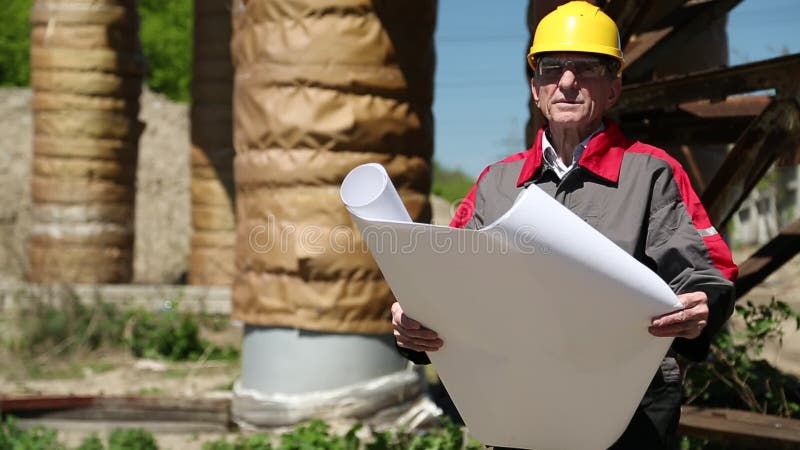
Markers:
{"x": 411, "y": 334}
{"x": 688, "y": 323}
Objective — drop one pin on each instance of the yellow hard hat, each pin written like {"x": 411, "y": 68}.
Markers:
{"x": 576, "y": 26}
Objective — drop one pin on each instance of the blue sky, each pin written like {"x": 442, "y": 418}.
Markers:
{"x": 481, "y": 91}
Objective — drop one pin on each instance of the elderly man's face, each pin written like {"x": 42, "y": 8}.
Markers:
{"x": 572, "y": 90}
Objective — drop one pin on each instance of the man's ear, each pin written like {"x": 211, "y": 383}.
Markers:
{"x": 534, "y": 91}
{"x": 614, "y": 92}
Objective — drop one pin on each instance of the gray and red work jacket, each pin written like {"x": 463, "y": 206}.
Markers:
{"x": 637, "y": 196}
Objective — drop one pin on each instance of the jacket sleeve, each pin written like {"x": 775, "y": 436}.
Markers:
{"x": 689, "y": 254}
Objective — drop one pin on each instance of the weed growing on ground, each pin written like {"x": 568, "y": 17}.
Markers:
{"x": 317, "y": 435}
{"x": 48, "y": 330}
{"x": 91, "y": 442}
{"x": 136, "y": 438}
{"x": 734, "y": 377}
{"x": 314, "y": 435}
{"x": 38, "y": 438}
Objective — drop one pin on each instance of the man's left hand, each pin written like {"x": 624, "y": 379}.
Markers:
{"x": 688, "y": 322}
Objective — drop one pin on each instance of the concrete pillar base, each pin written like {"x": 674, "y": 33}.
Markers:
{"x": 291, "y": 375}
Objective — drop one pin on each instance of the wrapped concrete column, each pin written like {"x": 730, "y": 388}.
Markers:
{"x": 320, "y": 88}
{"x": 213, "y": 238}
{"x": 86, "y": 74}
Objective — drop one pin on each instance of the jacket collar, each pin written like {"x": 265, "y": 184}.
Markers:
{"x": 602, "y": 156}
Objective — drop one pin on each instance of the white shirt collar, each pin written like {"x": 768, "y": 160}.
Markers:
{"x": 553, "y": 161}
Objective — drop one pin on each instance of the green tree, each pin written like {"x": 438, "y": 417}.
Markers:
{"x": 15, "y": 34}
{"x": 166, "y": 34}
{"x": 450, "y": 184}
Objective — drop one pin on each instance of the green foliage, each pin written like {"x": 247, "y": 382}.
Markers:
{"x": 137, "y": 439}
{"x": 72, "y": 326}
{"x": 12, "y": 437}
{"x": 450, "y": 184}
{"x": 316, "y": 435}
{"x": 91, "y": 442}
{"x": 166, "y": 34}
{"x": 15, "y": 33}
{"x": 733, "y": 377}
{"x": 167, "y": 334}
{"x": 448, "y": 436}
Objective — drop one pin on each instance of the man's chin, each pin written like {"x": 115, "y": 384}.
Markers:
{"x": 567, "y": 121}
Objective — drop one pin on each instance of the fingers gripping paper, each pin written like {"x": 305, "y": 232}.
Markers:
{"x": 544, "y": 320}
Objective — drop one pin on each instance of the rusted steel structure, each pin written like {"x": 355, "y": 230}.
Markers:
{"x": 86, "y": 75}
{"x": 771, "y": 135}
{"x": 704, "y": 105}
{"x": 213, "y": 215}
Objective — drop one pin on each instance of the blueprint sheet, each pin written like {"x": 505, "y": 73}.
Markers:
{"x": 544, "y": 320}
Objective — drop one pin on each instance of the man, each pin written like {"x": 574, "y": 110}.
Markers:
{"x": 633, "y": 193}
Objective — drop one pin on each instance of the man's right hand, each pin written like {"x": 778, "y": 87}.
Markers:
{"x": 411, "y": 334}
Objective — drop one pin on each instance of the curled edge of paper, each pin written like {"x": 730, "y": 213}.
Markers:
{"x": 368, "y": 193}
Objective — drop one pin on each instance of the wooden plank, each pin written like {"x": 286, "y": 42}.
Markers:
{"x": 777, "y": 73}
{"x": 743, "y": 429}
{"x": 774, "y": 132}
{"x": 768, "y": 259}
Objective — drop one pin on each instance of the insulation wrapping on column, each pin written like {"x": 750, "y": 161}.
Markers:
{"x": 86, "y": 74}
{"x": 320, "y": 88}
{"x": 213, "y": 220}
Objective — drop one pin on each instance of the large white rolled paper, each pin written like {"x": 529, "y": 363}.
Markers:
{"x": 544, "y": 319}
{"x": 368, "y": 192}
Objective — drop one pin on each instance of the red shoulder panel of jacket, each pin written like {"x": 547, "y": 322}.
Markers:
{"x": 717, "y": 248}
{"x": 466, "y": 209}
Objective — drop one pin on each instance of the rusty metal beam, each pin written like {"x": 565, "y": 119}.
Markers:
{"x": 768, "y": 259}
{"x": 778, "y": 73}
{"x": 659, "y": 12}
{"x": 700, "y": 122}
{"x": 684, "y": 128}
{"x": 627, "y": 14}
{"x": 680, "y": 34}
{"x": 750, "y": 105}
{"x": 774, "y": 132}
{"x": 634, "y": 17}
{"x": 129, "y": 409}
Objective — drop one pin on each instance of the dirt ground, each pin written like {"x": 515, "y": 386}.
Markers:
{"x": 117, "y": 373}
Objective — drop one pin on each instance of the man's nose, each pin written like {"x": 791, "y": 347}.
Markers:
{"x": 567, "y": 80}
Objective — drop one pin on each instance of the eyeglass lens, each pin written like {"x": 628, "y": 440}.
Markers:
{"x": 581, "y": 68}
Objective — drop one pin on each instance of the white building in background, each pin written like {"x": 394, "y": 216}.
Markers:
{"x": 768, "y": 209}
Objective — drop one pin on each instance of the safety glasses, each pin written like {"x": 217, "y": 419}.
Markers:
{"x": 551, "y": 68}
